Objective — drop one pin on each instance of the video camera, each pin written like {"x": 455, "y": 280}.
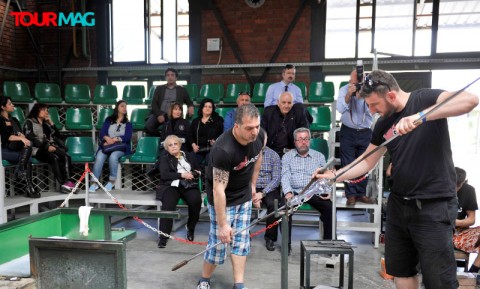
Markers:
{"x": 359, "y": 69}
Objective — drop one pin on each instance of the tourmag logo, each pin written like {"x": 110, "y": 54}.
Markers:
{"x": 53, "y": 19}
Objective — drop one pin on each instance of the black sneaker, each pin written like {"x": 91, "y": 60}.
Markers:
{"x": 162, "y": 243}
{"x": 190, "y": 234}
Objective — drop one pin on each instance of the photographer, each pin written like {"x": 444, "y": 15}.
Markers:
{"x": 179, "y": 174}
{"x": 355, "y": 133}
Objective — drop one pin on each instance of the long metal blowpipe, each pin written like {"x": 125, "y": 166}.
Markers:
{"x": 185, "y": 262}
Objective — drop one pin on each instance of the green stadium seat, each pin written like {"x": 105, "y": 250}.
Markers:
{"x": 6, "y": 163}
{"x": 18, "y": 91}
{"x": 79, "y": 119}
{"x": 105, "y": 94}
{"x": 149, "y": 98}
{"x": 80, "y": 148}
{"x": 260, "y": 110}
{"x": 306, "y": 207}
{"x": 103, "y": 113}
{"x": 321, "y": 145}
{"x": 222, "y": 111}
{"x": 259, "y": 92}
{"x": 48, "y": 93}
{"x": 18, "y": 114}
{"x": 322, "y": 120}
{"x": 303, "y": 88}
{"x": 192, "y": 90}
{"x": 321, "y": 92}
{"x": 137, "y": 118}
{"x": 146, "y": 151}
{"x": 134, "y": 94}
{"x": 213, "y": 91}
{"x": 77, "y": 94}
{"x": 233, "y": 89}
{"x": 343, "y": 83}
{"x": 55, "y": 117}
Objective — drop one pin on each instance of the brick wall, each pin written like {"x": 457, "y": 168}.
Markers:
{"x": 257, "y": 33}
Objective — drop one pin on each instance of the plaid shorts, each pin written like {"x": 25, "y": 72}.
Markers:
{"x": 238, "y": 217}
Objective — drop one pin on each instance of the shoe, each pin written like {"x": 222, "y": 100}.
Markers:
{"x": 190, "y": 234}
{"x": 108, "y": 186}
{"x": 351, "y": 201}
{"x": 235, "y": 287}
{"x": 162, "y": 243}
{"x": 93, "y": 188}
{"x": 69, "y": 185}
{"x": 66, "y": 188}
{"x": 203, "y": 285}
{"x": 270, "y": 245}
{"x": 366, "y": 200}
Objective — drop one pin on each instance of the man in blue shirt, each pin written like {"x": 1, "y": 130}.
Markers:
{"x": 268, "y": 183}
{"x": 355, "y": 135}
{"x": 229, "y": 119}
{"x": 275, "y": 89}
{"x": 297, "y": 168}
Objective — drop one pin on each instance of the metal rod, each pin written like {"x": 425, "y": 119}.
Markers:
{"x": 185, "y": 262}
{"x": 418, "y": 121}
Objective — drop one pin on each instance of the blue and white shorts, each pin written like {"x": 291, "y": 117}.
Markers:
{"x": 239, "y": 218}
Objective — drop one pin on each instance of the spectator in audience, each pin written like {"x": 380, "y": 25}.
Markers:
{"x": 115, "y": 129}
{"x": 298, "y": 166}
{"x": 275, "y": 90}
{"x": 465, "y": 237}
{"x": 268, "y": 183}
{"x": 205, "y": 129}
{"x": 177, "y": 125}
{"x": 47, "y": 146}
{"x": 163, "y": 97}
{"x": 281, "y": 120}
{"x": 179, "y": 172}
{"x": 229, "y": 121}
{"x": 16, "y": 148}
{"x": 355, "y": 135}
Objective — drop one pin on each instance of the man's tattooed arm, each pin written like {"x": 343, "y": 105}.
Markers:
{"x": 220, "y": 176}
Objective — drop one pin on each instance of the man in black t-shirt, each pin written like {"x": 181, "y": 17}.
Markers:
{"x": 466, "y": 237}
{"x": 422, "y": 205}
{"x": 233, "y": 166}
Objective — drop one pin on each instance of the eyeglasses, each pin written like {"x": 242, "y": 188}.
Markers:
{"x": 118, "y": 127}
{"x": 173, "y": 144}
{"x": 369, "y": 85}
{"x": 304, "y": 139}
{"x": 244, "y": 93}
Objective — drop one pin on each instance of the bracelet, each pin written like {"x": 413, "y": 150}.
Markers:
{"x": 422, "y": 117}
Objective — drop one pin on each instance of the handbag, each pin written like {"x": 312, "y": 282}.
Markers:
{"x": 189, "y": 184}
{"x": 117, "y": 146}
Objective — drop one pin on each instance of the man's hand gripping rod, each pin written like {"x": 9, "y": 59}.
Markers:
{"x": 417, "y": 122}
{"x": 185, "y": 262}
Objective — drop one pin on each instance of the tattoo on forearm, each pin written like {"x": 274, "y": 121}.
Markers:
{"x": 220, "y": 176}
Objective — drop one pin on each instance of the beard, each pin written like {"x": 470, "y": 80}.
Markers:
{"x": 390, "y": 110}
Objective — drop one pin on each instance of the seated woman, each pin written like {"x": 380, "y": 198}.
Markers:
{"x": 16, "y": 148}
{"x": 466, "y": 238}
{"x": 115, "y": 129}
{"x": 178, "y": 169}
{"x": 47, "y": 145}
{"x": 205, "y": 129}
{"x": 177, "y": 125}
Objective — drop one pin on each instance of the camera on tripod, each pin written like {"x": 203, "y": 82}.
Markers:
{"x": 359, "y": 69}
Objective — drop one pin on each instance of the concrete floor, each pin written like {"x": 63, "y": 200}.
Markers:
{"x": 149, "y": 267}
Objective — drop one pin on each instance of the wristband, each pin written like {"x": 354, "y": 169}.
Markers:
{"x": 422, "y": 117}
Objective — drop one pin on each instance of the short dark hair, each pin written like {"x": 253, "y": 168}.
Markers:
{"x": 4, "y": 100}
{"x": 172, "y": 70}
{"x": 461, "y": 176}
{"x": 289, "y": 66}
{"x": 249, "y": 110}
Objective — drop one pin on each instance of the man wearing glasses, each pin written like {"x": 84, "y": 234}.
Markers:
{"x": 286, "y": 84}
{"x": 297, "y": 167}
{"x": 422, "y": 206}
{"x": 229, "y": 119}
{"x": 355, "y": 135}
{"x": 281, "y": 120}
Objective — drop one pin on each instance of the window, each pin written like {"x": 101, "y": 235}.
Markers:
{"x": 457, "y": 25}
{"x": 161, "y": 37}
